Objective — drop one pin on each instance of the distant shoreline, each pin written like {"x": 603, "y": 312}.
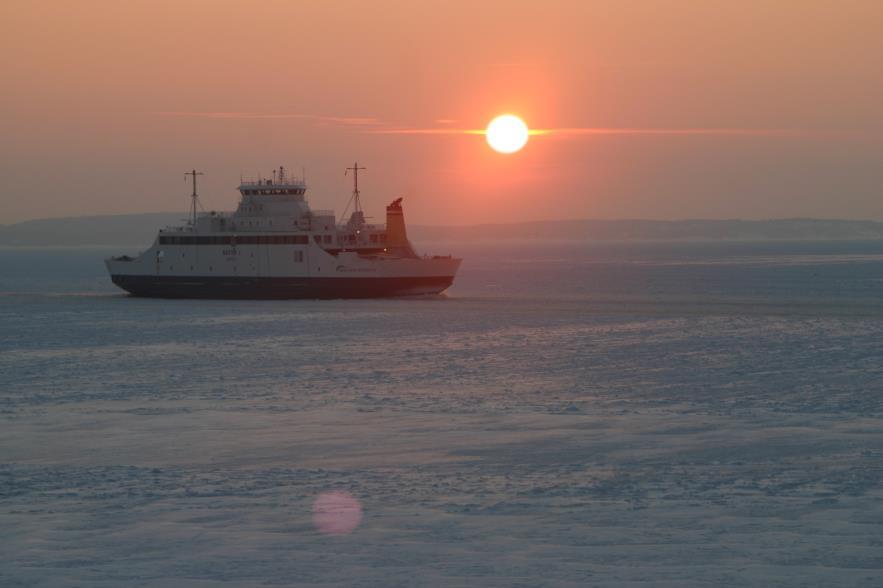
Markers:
{"x": 139, "y": 230}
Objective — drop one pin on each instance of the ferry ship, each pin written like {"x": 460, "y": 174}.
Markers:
{"x": 274, "y": 246}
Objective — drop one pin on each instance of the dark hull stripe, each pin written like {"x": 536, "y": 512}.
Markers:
{"x": 278, "y": 288}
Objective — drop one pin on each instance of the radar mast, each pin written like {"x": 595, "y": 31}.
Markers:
{"x": 194, "y": 197}
{"x": 357, "y": 205}
{"x": 357, "y": 219}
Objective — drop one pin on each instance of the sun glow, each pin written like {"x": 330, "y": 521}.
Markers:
{"x": 507, "y": 133}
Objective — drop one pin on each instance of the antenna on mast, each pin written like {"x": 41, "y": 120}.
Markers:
{"x": 355, "y": 169}
{"x": 194, "y": 197}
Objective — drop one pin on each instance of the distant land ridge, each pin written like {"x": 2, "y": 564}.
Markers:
{"x": 139, "y": 230}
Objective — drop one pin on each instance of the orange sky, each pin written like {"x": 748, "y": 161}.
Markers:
{"x": 106, "y": 104}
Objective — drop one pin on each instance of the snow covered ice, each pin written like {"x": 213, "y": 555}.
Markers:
{"x": 568, "y": 415}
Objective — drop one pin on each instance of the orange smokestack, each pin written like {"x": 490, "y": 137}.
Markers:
{"x": 396, "y": 234}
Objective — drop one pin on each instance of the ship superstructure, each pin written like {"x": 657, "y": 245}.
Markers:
{"x": 274, "y": 246}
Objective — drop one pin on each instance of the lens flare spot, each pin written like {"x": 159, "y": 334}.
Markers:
{"x": 336, "y": 513}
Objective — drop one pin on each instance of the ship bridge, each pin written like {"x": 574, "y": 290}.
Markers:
{"x": 280, "y": 196}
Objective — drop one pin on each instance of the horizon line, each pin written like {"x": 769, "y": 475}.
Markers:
{"x": 546, "y": 220}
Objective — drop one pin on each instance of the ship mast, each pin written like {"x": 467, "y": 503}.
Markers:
{"x": 357, "y": 205}
{"x": 194, "y": 197}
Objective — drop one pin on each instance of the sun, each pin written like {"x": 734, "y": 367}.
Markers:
{"x": 507, "y": 133}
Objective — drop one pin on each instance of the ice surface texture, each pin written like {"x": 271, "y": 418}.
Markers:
{"x": 610, "y": 417}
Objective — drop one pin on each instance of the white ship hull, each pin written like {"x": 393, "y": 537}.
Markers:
{"x": 277, "y": 271}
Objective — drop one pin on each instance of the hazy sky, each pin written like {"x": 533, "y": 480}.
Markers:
{"x": 106, "y": 104}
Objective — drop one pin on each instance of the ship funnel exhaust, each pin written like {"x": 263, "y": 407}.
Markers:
{"x": 396, "y": 234}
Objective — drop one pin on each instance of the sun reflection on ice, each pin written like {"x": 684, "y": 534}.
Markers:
{"x": 336, "y": 513}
